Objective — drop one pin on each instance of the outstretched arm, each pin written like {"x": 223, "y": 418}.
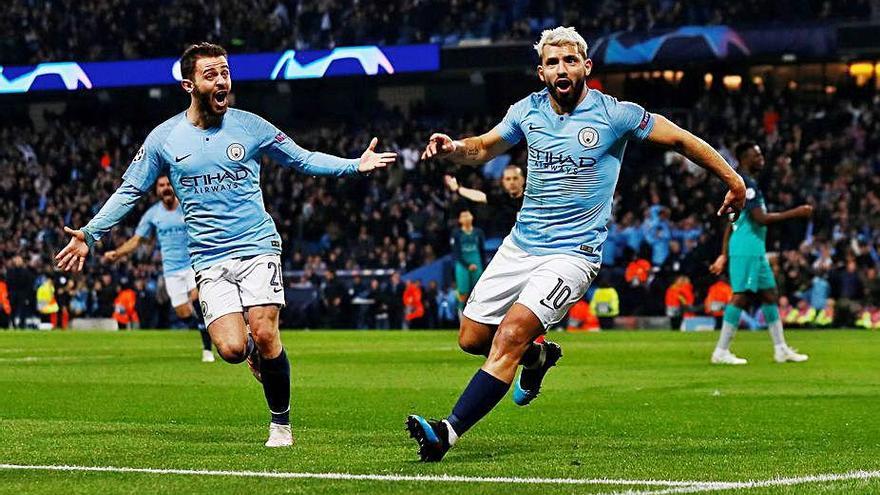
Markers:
{"x": 292, "y": 155}
{"x": 468, "y": 151}
{"x": 474, "y": 195}
{"x": 73, "y": 256}
{"x": 281, "y": 147}
{"x": 124, "y": 250}
{"x": 665, "y": 133}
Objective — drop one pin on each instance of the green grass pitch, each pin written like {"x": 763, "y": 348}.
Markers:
{"x": 620, "y": 405}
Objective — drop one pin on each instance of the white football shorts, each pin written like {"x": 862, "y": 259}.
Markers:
{"x": 178, "y": 286}
{"x": 548, "y": 285}
{"x": 235, "y": 284}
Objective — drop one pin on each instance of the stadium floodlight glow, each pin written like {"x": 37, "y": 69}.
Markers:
{"x": 288, "y": 65}
{"x": 862, "y": 72}
{"x": 732, "y": 82}
{"x": 861, "y": 69}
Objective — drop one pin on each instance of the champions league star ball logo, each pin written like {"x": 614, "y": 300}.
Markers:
{"x": 235, "y": 152}
{"x": 140, "y": 154}
{"x": 588, "y": 137}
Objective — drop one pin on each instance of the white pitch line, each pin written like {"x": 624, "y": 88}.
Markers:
{"x": 671, "y": 487}
{"x": 712, "y": 486}
{"x": 359, "y": 477}
{"x": 36, "y": 359}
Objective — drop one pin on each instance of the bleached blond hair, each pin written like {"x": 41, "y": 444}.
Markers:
{"x": 561, "y": 36}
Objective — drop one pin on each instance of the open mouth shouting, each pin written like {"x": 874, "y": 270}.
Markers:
{"x": 563, "y": 86}
{"x": 220, "y": 99}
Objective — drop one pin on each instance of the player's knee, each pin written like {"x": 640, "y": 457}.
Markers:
{"x": 511, "y": 339}
{"x": 266, "y": 335}
{"x": 263, "y": 332}
{"x": 232, "y": 353}
{"x": 473, "y": 344}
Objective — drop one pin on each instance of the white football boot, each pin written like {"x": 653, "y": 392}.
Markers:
{"x": 721, "y": 356}
{"x": 279, "y": 436}
{"x": 207, "y": 356}
{"x": 784, "y": 353}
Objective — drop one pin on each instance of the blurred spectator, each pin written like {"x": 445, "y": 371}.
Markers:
{"x": 125, "y": 308}
{"x": 63, "y": 295}
{"x": 679, "y": 300}
{"x": 5, "y": 307}
{"x": 393, "y": 298}
{"x": 447, "y": 302}
{"x": 605, "y": 303}
{"x": 718, "y": 296}
{"x": 414, "y": 307}
{"x": 333, "y": 301}
{"x": 581, "y": 318}
{"x": 46, "y": 303}
{"x": 145, "y": 304}
{"x": 22, "y": 285}
{"x": 429, "y": 300}
{"x": 106, "y": 293}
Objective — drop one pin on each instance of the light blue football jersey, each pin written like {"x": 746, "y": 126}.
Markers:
{"x": 216, "y": 175}
{"x": 573, "y": 166}
{"x": 170, "y": 230}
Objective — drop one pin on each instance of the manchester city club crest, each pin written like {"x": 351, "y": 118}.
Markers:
{"x": 235, "y": 152}
{"x": 588, "y": 137}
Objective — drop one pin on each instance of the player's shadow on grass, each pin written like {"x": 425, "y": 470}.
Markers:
{"x": 482, "y": 452}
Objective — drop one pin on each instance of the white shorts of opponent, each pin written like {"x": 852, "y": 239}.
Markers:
{"x": 235, "y": 284}
{"x": 178, "y": 286}
{"x": 548, "y": 285}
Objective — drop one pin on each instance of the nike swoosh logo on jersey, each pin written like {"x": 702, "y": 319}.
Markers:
{"x": 179, "y": 159}
{"x": 277, "y": 290}
{"x": 534, "y": 127}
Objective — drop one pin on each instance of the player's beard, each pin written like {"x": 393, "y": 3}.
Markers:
{"x": 569, "y": 99}
{"x": 167, "y": 197}
{"x": 206, "y": 108}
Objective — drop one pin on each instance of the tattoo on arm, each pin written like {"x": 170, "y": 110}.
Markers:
{"x": 471, "y": 150}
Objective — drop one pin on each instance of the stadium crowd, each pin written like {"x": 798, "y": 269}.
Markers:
{"x": 56, "y": 30}
{"x": 821, "y": 148}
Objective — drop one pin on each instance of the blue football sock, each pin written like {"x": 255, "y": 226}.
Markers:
{"x": 481, "y": 395}
{"x": 276, "y": 386}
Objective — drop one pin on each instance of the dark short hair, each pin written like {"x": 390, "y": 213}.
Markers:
{"x": 195, "y": 52}
{"x": 743, "y": 147}
{"x": 515, "y": 167}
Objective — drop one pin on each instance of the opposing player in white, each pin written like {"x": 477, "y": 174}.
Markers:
{"x": 576, "y": 138}
{"x": 212, "y": 154}
{"x": 165, "y": 219}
